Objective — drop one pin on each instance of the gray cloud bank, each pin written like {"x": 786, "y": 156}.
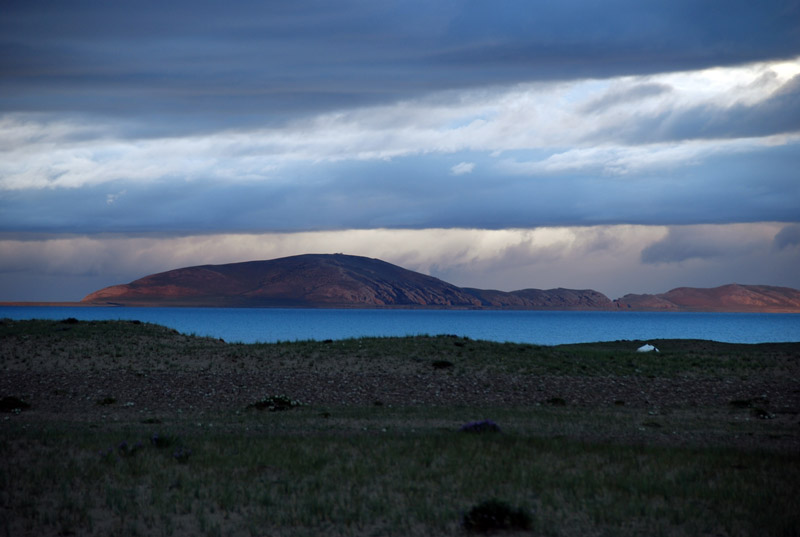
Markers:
{"x": 206, "y": 65}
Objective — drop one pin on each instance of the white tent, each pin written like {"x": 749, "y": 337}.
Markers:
{"x": 646, "y": 348}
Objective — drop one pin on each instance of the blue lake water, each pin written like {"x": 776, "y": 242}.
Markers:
{"x": 539, "y": 327}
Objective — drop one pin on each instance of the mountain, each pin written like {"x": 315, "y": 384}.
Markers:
{"x": 326, "y": 280}
{"x": 337, "y": 280}
{"x": 732, "y": 297}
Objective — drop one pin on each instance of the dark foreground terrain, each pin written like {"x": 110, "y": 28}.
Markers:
{"x": 129, "y": 428}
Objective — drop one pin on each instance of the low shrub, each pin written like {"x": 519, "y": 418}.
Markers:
{"x": 160, "y": 441}
{"x": 182, "y": 455}
{"x": 749, "y": 403}
{"x": 494, "y": 515}
{"x": 762, "y": 414}
{"x": 13, "y": 404}
{"x": 126, "y": 450}
{"x": 484, "y": 426}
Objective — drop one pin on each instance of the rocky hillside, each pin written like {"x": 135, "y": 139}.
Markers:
{"x": 337, "y": 280}
{"x": 322, "y": 280}
{"x": 538, "y": 299}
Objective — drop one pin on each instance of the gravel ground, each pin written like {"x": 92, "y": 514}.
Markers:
{"x": 66, "y": 371}
{"x": 73, "y": 394}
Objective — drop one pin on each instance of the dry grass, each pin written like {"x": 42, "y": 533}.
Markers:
{"x": 701, "y": 439}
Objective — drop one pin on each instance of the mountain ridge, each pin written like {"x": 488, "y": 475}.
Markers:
{"x": 339, "y": 280}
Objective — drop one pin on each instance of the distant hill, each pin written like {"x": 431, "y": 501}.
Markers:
{"x": 326, "y": 280}
{"x": 732, "y": 297}
{"x": 337, "y": 280}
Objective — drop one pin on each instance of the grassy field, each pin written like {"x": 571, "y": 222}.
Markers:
{"x": 122, "y": 437}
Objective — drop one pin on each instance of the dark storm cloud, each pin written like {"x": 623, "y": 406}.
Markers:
{"x": 562, "y": 39}
{"x": 681, "y": 245}
{"x": 224, "y": 62}
{"x": 247, "y": 63}
{"x": 788, "y": 237}
{"x": 703, "y": 243}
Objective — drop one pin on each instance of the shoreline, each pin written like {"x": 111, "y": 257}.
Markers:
{"x": 383, "y": 308}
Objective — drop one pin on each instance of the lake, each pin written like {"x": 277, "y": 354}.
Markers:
{"x": 539, "y": 327}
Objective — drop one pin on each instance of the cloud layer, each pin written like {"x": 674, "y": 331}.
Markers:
{"x": 464, "y": 135}
{"x": 612, "y": 259}
{"x": 212, "y": 65}
{"x": 521, "y": 156}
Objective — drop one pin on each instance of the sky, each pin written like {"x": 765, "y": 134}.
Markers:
{"x": 623, "y": 146}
